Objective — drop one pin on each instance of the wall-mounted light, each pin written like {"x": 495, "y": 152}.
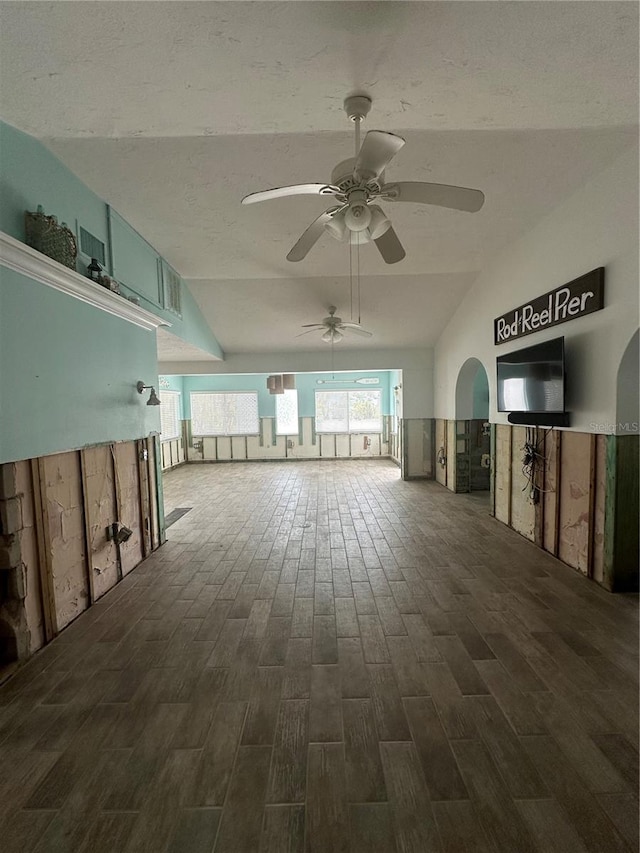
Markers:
{"x": 118, "y": 533}
{"x": 153, "y": 398}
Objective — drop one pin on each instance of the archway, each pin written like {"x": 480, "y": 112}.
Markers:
{"x": 473, "y": 440}
{"x": 627, "y": 392}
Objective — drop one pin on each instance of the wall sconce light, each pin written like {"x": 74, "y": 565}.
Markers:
{"x": 153, "y": 398}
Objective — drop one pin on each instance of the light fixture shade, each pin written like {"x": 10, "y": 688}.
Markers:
{"x": 271, "y": 383}
{"x": 379, "y": 224}
{"x": 336, "y": 226}
{"x": 278, "y": 387}
{"x": 153, "y": 398}
{"x": 359, "y": 237}
{"x": 289, "y": 381}
{"x": 357, "y": 216}
{"x": 332, "y": 336}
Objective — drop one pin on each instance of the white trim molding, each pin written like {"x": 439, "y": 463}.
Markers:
{"x": 23, "y": 259}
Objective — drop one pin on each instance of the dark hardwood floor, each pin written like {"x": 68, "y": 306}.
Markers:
{"x": 326, "y": 659}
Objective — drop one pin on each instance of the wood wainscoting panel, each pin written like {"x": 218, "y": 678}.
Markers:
{"x": 100, "y": 501}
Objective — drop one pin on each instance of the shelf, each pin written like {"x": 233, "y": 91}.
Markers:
{"x": 23, "y": 259}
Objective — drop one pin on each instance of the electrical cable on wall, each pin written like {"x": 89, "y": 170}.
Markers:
{"x": 531, "y": 461}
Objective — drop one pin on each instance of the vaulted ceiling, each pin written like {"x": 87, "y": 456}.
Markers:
{"x": 174, "y": 111}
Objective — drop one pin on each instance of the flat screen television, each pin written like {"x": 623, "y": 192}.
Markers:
{"x": 532, "y": 379}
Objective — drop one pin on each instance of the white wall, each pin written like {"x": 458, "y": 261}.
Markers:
{"x": 416, "y": 366}
{"x": 597, "y": 226}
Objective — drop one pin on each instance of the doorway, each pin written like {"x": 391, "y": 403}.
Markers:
{"x": 472, "y": 429}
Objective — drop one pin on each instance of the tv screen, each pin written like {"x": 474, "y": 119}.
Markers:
{"x": 532, "y": 379}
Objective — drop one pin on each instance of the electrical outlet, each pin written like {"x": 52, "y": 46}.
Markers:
{"x": 485, "y": 460}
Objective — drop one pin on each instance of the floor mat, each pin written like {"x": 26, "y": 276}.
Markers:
{"x": 175, "y": 514}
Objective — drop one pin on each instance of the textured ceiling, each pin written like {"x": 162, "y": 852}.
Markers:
{"x": 174, "y": 111}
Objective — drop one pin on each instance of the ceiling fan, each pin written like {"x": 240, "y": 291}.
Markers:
{"x": 335, "y": 328}
{"x": 357, "y": 183}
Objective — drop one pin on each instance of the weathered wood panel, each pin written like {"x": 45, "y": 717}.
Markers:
{"x": 575, "y": 483}
{"x": 128, "y": 502}
{"x": 621, "y": 524}
{"x": 502, "y": 463}
{"x": 550, "y": 498}
{"x": 65, "y": 522}
{"x": 451, "y": 455}
{"x": 29, "y": 557}
{"x": 441, "y": 446}
{"x": 153, "y": 493}
{"x": 101, "y": 507}
{"x": 523, "y": 517}
{"x": 599, "y": 508}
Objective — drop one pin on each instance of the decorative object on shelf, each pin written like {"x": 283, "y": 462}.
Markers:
{"x": 95, "y": 270}
{"x": 153, "y": 397}
{"x": 44, "y": 234}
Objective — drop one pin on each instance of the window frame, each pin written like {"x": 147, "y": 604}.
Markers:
{"x": 349, "y": 431}
{"x": 209, "y": 434}
{"x": 168, "y": 393}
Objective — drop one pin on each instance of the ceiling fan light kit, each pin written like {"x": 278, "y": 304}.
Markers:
{"x": 357, "y": 183}
{"x": 334, "y": 328}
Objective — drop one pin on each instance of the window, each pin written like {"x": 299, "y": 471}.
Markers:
{"x": 287, "y": 413}
{"x": 348, "y": 411}
{"x": 216, "y": 413}
{"x": 169, "y": 415}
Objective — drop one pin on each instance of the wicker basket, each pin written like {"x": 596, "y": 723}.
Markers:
{"x": 44, "y": 234}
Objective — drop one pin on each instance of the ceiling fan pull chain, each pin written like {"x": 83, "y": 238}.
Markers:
{"x": 357, "y": 121}
{"x": 350, "y": 276}
{"x": 358, "y": 271}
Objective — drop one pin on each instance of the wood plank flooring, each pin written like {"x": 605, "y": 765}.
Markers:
{"x": 326, "y": 659}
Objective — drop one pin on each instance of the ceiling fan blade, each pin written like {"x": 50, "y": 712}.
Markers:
{"x": 296, "y": 189}
{"x": 310, "y": 236}
{"x": 390, "y": 247}
{"x": 376, "y": 152}
{"x": 315, "y": 329}
{"x": 313, "y": 326}
{"x": 357, "y": 330}
{"x": 442, "y": 195}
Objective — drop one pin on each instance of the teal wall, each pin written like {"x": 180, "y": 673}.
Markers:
{"x": 31, "y": 175}
{"x": 481, "y": 394}
{"x": 68, "y": 373}
{"x": 306, "y": 385}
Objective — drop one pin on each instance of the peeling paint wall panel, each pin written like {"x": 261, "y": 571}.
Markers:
{"x": 573, "y": 546}
{"x": 65, "y": 519}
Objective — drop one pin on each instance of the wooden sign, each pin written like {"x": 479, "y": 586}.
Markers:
{"x": 581, "y": 296}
